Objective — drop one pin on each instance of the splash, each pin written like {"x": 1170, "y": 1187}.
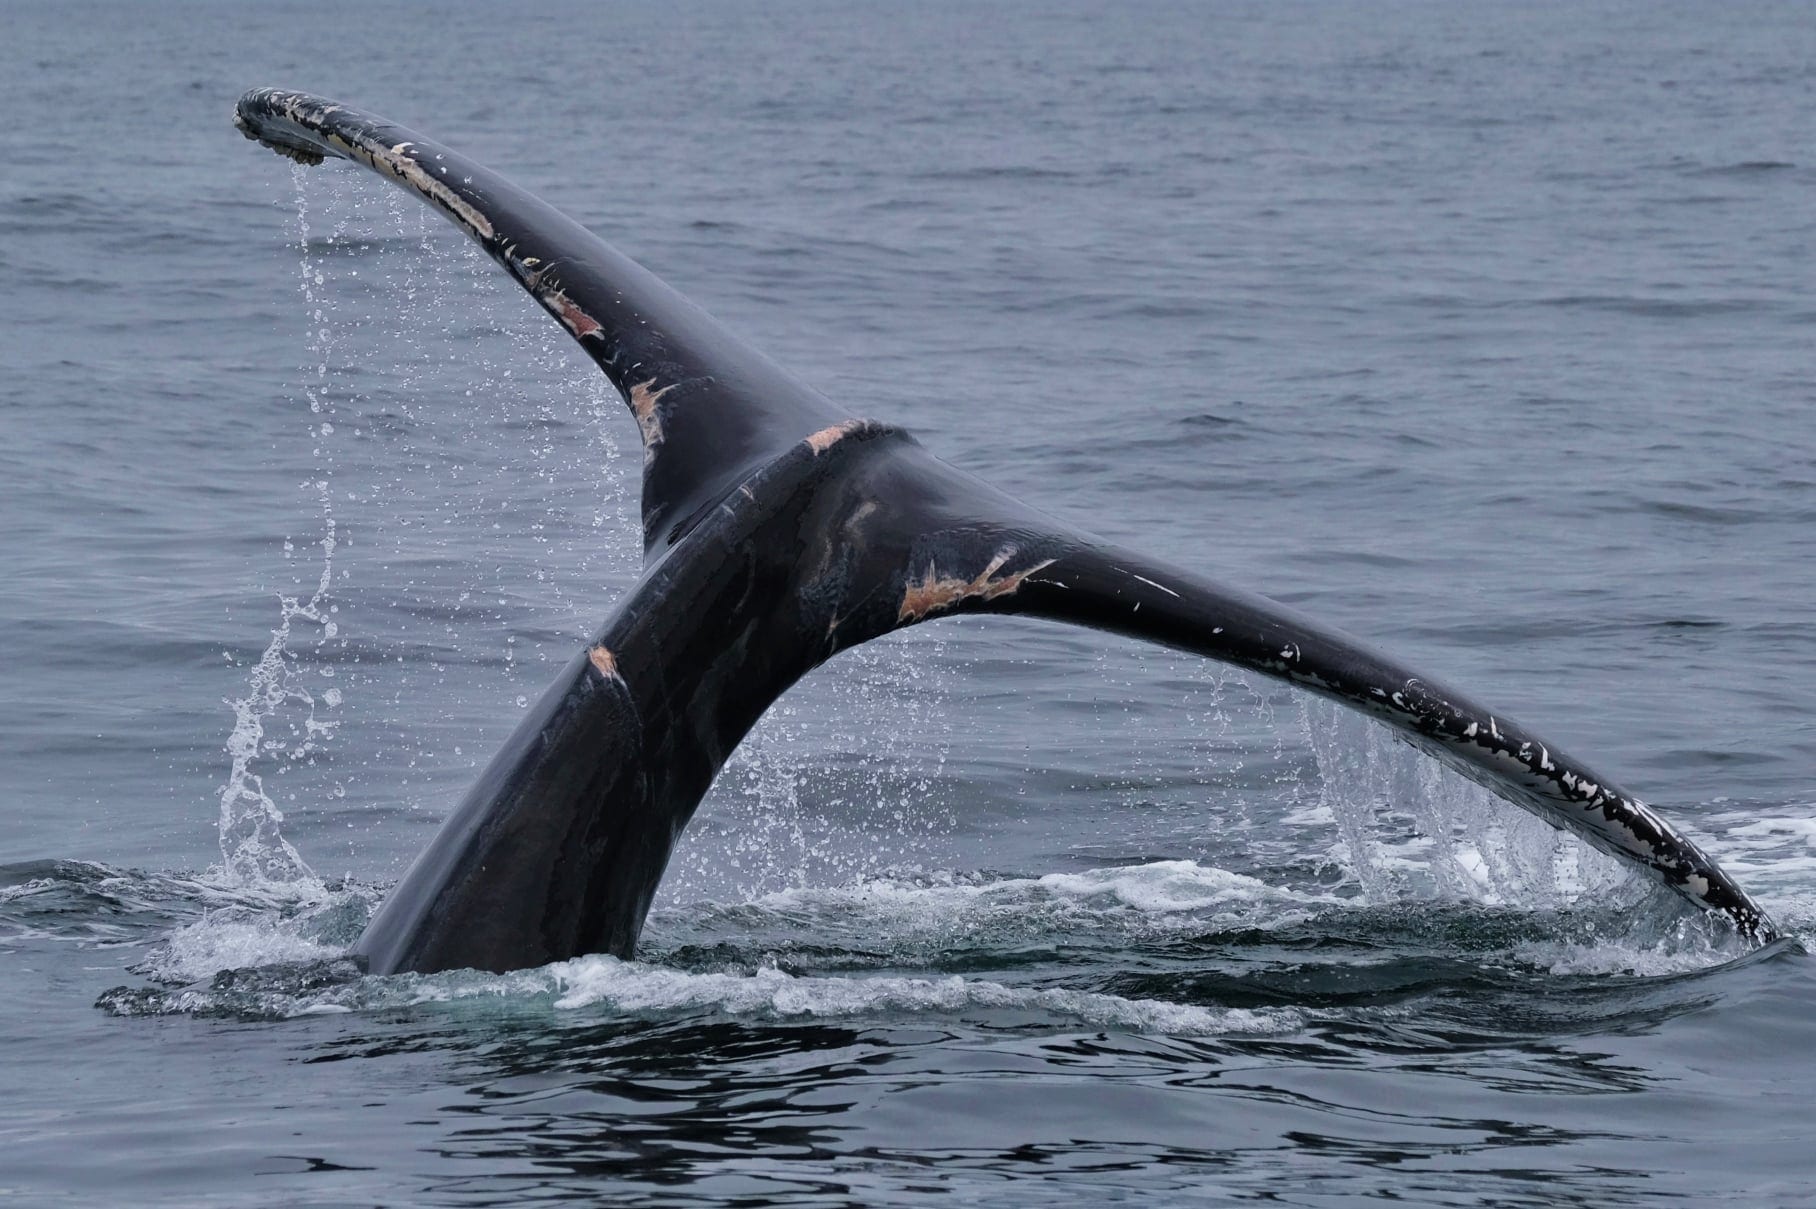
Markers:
{"x": 268, "y": 929}
{"x": 445, "y": 491}
{"x": 253, "y": 848}
{"x": 1410, "y": 828}
{"x": 854, "y": 753}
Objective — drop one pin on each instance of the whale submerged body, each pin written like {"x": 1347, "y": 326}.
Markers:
{"x": 779, "y": 530}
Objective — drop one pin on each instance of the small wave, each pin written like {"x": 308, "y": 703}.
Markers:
{"x": 1211, "y": 420}
{"x": 84, "y": 902}
{"x": 1745, "y": 168}
{"x": 1652, "y": 308}
{"x": 1018, "y": 173}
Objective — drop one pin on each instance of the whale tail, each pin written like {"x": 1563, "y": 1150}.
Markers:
{"x": 779, "y": 530}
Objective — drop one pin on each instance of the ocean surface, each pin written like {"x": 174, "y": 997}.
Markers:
{"x": 1483, "y": 331}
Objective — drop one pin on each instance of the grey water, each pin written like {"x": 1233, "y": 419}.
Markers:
{"x": 1481, "y": 330}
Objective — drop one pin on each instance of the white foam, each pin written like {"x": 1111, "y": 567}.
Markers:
{"x": 606, "y": 984}
{"x": 1802, "y": 828}
{"x": 1774, "y": 857}
{"x": 1617, "y": 958}
{"x": 901, "y": 914}
{"x": 1168, "y": 887}
{"x": 634, "y": 987}
{"x": 28, "y": 888}
{"x": 1779, "y": 849}
{"x": 1159, "y": 888}
{"x": 231, "y": 941}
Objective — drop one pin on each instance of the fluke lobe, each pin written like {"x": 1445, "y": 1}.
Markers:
{"x": 778, "y": 530}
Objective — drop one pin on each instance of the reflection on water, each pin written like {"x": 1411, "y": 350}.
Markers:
{"x": 859, "y": 1112}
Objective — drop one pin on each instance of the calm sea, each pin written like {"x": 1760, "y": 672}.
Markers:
{"x": 1481, "y": 330}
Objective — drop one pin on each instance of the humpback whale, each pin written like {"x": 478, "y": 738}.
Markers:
{"x": 780, "y": 529}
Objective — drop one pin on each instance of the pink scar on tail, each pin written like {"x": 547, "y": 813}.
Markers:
{"x": 831, "y": 435}
{"x": 933, "y": 592}
{"x": 649, "y": 420}
{"x": 572, "y": 317}
{"x": 607, "y": 663}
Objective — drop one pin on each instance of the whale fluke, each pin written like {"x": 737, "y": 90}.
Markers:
{"x": 780, "y": 529}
